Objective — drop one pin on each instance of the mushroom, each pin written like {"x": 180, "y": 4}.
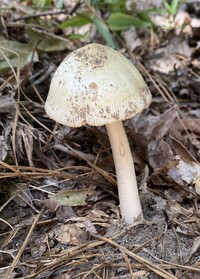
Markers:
{"x": 96, "y": 85}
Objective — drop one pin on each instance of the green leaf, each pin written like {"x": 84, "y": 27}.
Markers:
{"x": 144, "y": 15}
{"x": 93, "y": 2}
{"x": 75, "y": 21}
{"x": 76, "y": 36}
{"x": 174, "y": 6}
{"x": 121, "y": 21}
{"x": 109, "y": 5}
{"x": 16, "y": 53}
{"x": 46, "y": 42}
{"x": 167, "y": 6}
{"x": 104, "y": 31}
{"x": 41, "y": 3}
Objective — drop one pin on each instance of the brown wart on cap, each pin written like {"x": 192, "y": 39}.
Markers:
{"x": 96, "y": 85}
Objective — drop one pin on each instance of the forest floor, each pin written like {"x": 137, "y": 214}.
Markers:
{"x": 43, "y": 234}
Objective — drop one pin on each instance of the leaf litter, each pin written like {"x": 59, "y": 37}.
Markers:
{"x": 59, "y": 213}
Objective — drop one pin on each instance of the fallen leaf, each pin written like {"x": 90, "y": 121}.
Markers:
{"x": 69, "y": 233}
{"x": 16, "y": 53}
{"x": 64, "y": 212}
{"x": 4, "y": 148}
{"x": 27, "y": 133}
{"x": 48, "y": 42}
{"x": 4, "y": 139}
{"x": 185, "y": 172}
{"x": 195, "y": 246}
{"x": 73, "y": 197}
{"x": 197, "y": 185}
{"x": 90, "y": 227}
{"x": 165, "y": 60}
{"x": 7, "y": 100}
{"x": 148, "y": 134}
{"x": 131, "y": 39}
{"x": 67, "y": 198}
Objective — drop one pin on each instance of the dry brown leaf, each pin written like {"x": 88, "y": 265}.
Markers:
{"x": 27, "y": 136}
{"x": 185, "y": 172}
{"x": 4, "y": 148}
{"x": 149, "y": 133}
{"x": 131, "y": 39}
{"x": 177, "y": 171}
{"x": 197, "y": 185}
{"x": 69, "y": 233}
{"x": 191, "y": 124}
{"x": 165, "y": 60}
{"x": 181, "y": 150}
{"x": 64, "y": 212}
{"x": 7, "y": 101}
{"x": 195, "y": 246}
{"x": 5, "y": 139}
{"x": 90, "y": 227}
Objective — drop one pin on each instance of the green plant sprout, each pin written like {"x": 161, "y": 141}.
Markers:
{"x": 171, "y": 7}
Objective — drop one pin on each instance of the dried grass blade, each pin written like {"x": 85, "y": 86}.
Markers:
{"x": 21, "y": 250}
{"x": 164, "y": 274}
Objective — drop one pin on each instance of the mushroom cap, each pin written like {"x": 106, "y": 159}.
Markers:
{"x": 96, "y": 85}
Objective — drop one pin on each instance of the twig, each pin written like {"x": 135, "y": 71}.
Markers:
{"x": 164, "y": 274}
{"x": 51, "y": 13}
{"x": 105, "y": 174}
{"x": 128, "y": 263}
{"x": 21, "y": 250}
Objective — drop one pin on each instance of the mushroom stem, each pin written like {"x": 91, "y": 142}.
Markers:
{"x": 126, "y": 179}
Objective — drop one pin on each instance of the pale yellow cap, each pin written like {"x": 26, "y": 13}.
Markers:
{"x": 96, "y": 85}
